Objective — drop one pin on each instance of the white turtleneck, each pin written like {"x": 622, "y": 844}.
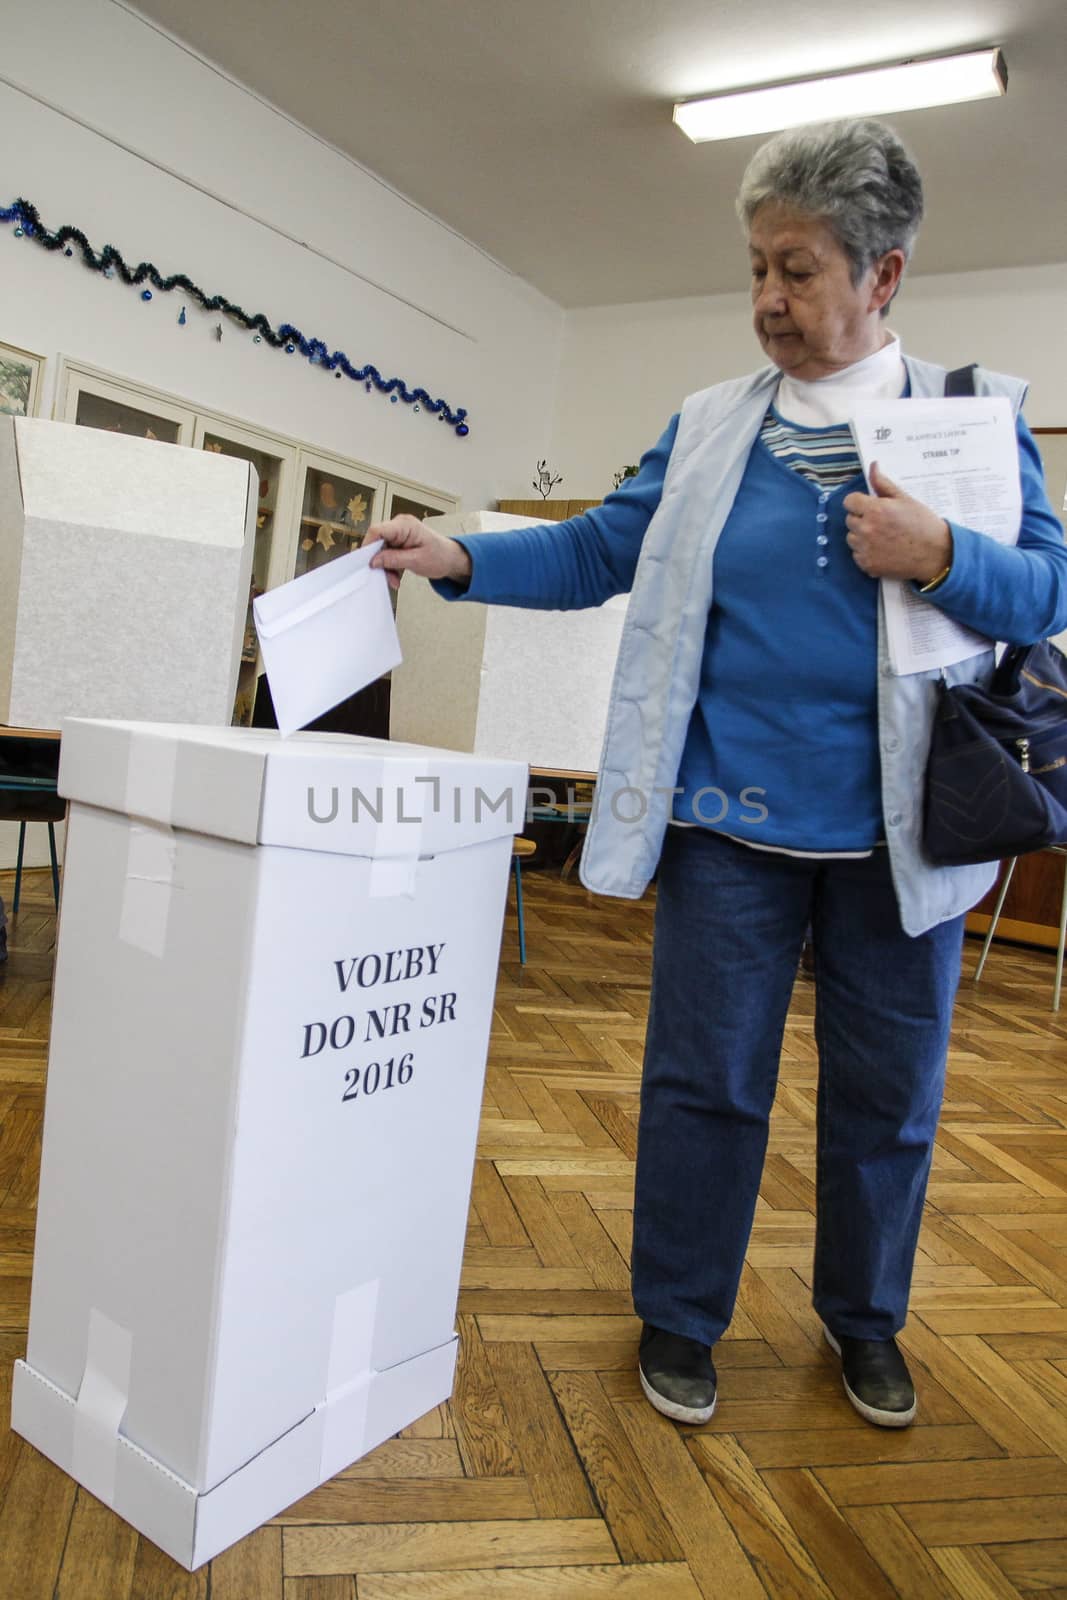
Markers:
{"x": 826, "y": 402}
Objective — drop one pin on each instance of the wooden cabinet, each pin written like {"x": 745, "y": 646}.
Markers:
{"x": 546, "y": 510}
{"x": 1031, "y": 913}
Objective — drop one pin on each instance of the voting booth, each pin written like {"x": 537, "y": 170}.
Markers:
{"x": 499, "y": 680}
{"x": 274, "y": 984}
{"x": 125, "y": 567}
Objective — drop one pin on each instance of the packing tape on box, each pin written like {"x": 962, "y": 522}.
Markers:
{"x": 349, "y": 1370}
{"x": 148, "y": 887}
{"x": 150, "y": 776}
{"x": 146, "y": 895}
{"x": 101, "y": 1406}
{"x": 398, "y": 836}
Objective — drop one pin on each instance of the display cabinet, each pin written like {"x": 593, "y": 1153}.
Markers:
{"x": 338, "y": 503}
{"x": 93, "y": 402}
{"x": 312, "y": 507}
{"x": 404, "y": 499}
{"x": 274, "y": 464}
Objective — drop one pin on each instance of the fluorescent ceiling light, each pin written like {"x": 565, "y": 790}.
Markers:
{"x": 975, "y": 76}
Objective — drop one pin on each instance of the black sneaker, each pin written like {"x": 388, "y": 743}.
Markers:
{"x": 876, "y": 1380}
{"x": 677, "y": 1375}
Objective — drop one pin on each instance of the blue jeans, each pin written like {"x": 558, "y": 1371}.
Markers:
{"x": 730, "y": 922}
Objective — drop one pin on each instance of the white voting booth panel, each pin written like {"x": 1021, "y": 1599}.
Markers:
{"x": 499, "y": 680}
{"x": 272, "y": 1004}
{"x": 124, "y": 576}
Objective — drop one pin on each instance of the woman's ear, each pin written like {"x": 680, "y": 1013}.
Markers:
{"x": 888, "y": 271}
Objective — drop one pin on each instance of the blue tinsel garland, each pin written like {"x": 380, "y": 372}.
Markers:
{"x": 285, "y": 337}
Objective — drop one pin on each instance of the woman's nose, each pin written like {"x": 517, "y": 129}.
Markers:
{"x": 770, "y": 295}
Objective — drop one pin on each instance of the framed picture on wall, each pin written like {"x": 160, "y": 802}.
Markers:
{"x": 20, "y": 381}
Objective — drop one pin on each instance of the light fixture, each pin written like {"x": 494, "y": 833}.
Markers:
{"x": 911, "y": 84}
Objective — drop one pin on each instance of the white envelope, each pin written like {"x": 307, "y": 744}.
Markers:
{"x": 325, "y": 636}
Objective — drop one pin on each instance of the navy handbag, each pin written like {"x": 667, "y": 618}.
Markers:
{"x": 996, "y": 778}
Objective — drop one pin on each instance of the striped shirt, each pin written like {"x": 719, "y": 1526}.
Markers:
{"x": 826, "y": 456}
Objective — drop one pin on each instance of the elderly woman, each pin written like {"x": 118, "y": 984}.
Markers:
{"x": 762, "y": 752}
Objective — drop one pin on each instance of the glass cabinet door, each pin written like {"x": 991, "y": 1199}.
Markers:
{"x": 338, "y": 504}
{"x": 92, "y": 403}
{"x": 403, "y": 499}
{"x": 273, "y": 465}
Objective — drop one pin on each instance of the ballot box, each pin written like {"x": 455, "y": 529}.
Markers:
{"x": 125, "y": 567}
{"x": 501, "y": 680}
{"x": 274, "y": 982}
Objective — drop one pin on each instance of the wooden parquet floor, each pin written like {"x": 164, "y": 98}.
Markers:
{"x": 548, "y": 1477}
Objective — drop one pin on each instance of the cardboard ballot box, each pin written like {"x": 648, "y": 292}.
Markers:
{"x": 499, "y": 680}
{"x": 273, "y": 991}
{"x": 124, "y": 575}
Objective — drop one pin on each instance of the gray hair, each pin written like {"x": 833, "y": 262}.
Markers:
{"x": 855, "y": 175}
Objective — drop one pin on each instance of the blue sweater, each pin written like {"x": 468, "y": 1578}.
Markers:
{"x": 782, "y": 746}
{"x": 787, "y": 694}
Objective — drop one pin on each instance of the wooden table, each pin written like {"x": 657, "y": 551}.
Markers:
{"x": 570, "y": 810}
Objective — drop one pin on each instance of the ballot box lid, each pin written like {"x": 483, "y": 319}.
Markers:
{"x": 327, "y": 792}
{"x": 88, "y": 479}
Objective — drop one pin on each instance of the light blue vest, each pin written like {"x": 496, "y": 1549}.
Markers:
{"x": 657, "y": 674}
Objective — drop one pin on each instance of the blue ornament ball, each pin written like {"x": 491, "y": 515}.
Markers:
{"x": 146, "y": 294}
{"x": 68, "y": 251}
{"x": 19, "y": 232}
{"x": 257, "y": 338}
{"x": 394, "y": 398}
{"x": 289, "y": 349}
{"x": 462, "y": 430}
{"x": 338, "y": 374}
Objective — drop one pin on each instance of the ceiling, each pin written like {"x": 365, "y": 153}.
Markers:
{"x": 541, "y": 129}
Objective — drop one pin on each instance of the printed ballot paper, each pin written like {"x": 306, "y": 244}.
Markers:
{"x": 325, "y": 636}
{"x": 960, "y": 458}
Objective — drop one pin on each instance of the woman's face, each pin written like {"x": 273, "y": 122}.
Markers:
{"x": 809, "y": 316}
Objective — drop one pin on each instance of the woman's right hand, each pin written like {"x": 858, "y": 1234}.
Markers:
{"x": 410, "y": 546}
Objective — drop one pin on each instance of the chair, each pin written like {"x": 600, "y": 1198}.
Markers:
{"x": 520, "y": 847}
{"x": 1054, "y": 850}
{"x": 22, "y": 821}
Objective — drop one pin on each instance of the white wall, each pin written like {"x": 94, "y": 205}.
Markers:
{"x": 107, "y": 67}
{"x": 117, "y": 129}
{"x": 626, "y": 369}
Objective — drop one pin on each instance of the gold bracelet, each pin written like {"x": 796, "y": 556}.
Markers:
{"x": 935, "y": 583}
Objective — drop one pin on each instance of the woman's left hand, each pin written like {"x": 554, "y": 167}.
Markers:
{"x": 891, "y": 535}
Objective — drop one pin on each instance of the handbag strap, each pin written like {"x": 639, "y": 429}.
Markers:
{"x": 961, "y": 380}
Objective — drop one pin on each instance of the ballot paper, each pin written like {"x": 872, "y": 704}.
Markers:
{"x": 325, "y": 636}
{"x": 960, "y": 458}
